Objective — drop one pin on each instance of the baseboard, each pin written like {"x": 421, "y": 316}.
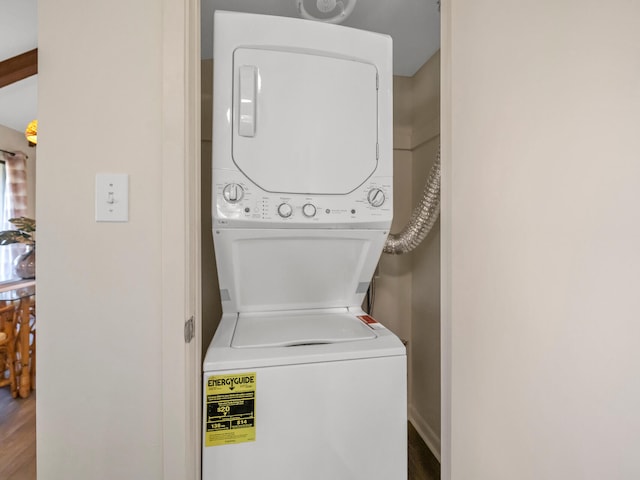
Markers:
{"x": 430, "y": 438}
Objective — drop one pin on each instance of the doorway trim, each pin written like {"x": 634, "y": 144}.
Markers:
{"x": 181, "y": 270}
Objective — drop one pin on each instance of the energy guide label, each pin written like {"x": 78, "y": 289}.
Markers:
{"x": 231, "y": 403}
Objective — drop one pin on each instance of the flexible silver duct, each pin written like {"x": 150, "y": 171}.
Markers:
{"x": 423, "y": 217}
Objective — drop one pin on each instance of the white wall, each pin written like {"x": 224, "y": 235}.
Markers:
{"x": 211, "y": 305}
{"x": 408, "y": 285}
{"x": 101, "y": 393}
{"x": 424, "y": 403}
{"x": 542, "y": 225}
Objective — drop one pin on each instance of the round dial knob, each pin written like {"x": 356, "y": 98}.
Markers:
{"x": 376, "y": 197}
{"x": 233, "y": 193}
{"x": 285, "y": 210}
{"x": 308, "y": 210}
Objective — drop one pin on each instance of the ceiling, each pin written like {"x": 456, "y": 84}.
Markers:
{"x": 18, "y": 34}
{"x": 413, "y": 24}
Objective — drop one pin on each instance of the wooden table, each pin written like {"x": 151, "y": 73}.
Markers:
{"x": 22, "y": 292}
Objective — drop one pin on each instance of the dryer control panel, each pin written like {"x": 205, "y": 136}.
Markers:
{"x": 240, "y": 203}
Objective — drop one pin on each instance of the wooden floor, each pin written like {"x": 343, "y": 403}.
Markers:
{"x": 422, "y": 464}
{"x": 17, "y": 436}
{"x": 18, "y": 443}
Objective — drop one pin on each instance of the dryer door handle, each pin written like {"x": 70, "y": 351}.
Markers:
{"x": 247, "y": 107}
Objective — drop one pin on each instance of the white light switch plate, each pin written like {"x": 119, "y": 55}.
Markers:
{"x": 112, "y": 197}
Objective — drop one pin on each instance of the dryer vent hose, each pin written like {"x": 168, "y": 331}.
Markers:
{"x": 424, "y": 216}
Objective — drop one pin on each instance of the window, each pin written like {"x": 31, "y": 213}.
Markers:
{"x": 3, "y": 183}
{"x": 7, "y": 252}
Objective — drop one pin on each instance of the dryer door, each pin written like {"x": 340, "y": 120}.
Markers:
{"x": 303, "y": 122}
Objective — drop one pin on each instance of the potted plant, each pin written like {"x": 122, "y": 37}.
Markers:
{"x": 25, "y": 263}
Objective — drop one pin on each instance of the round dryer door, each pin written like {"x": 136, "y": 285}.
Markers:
{"x": 304, "y": 123}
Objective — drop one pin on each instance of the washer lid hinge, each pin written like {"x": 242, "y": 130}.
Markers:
{"x": 189, "y": 330}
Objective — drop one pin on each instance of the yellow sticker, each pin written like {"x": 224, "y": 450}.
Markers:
{"x": 231, "y": 403}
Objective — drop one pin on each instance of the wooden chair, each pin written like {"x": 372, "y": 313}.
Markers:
{"x": 32, "y": 346}
{"x": 8, "y": 348}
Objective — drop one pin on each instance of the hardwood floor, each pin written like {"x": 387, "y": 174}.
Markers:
{"x": 17, "y": 436}
{"x": 18, "y": 443}
{"x": 422, "y": 463}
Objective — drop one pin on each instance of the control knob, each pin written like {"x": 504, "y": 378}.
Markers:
{"x": 285, "y": 210}
{"x": 233, "y": 193}
{"x": 309, "y": 210}
{"x": 376, "y": 197}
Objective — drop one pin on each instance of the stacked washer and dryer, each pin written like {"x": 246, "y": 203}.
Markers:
{"x": 299, "y": 382}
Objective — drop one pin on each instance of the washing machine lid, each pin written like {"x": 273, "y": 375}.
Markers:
{"x": 289, "y": 329}
{"x": 261, "y": 270}
{"x": 304, "y": 122}
{"x": 223, "y": 356}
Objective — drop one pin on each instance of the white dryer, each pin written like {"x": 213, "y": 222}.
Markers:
{"x": 298, "y": 382}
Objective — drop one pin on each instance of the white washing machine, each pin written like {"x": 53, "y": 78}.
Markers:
{"x": 299, "y": 383}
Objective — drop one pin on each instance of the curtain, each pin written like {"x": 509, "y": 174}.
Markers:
{"x": 15, "y": 205}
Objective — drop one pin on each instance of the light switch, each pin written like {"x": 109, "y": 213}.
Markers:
{"x": 112, "y": 197}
